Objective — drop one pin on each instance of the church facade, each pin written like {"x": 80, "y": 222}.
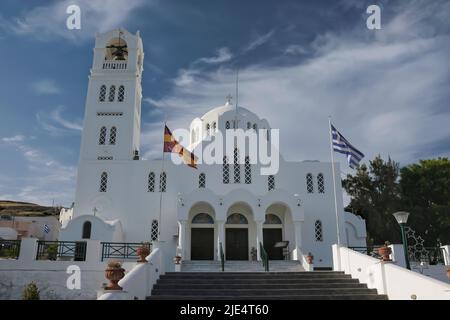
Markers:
{"x": 123, "y": 198}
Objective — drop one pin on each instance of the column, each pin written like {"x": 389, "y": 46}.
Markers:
{"x": 259, "y": 237}
{"x": 298, "y": 240}
{"x": 182, "y": 238}
{"x": 220, "y": 237}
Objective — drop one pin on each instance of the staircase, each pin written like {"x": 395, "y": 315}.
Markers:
{"x": 251, "y": 285}
{"x": 240, "y": 266}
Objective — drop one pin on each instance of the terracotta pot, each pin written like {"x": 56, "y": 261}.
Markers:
{"x": 448, "y": 272}
{"x": 114, "y": 275}
{"x": 385, "y": 252}
{"x": 177, "y": 259}
{"x": 310, "y": 259}
{"x": 142, "y": 252}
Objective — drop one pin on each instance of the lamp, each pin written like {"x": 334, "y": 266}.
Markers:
{"x": 402, "y": 218}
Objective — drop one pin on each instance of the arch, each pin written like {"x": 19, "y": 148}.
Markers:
{"x": 227, "y": 125}
{"x": 271, "y": 182}
{"x": 162, "y": 182}
{"x": 208, "y": 129}
{"x": 87, "y": 228}
{"x": 116, "y": 49}
{"x": 154, "y": 232}
{"x": 112, "y": 135}
{"x": 104, "y": 182}
{"x": 318, "y": 232}
{"x": 249, "y": 125}
{"x": 272, "y": 219}
{"x": 248, "y": 171}
{"x": 121, "y": 93}
{"x": 255, "y": 126}
{"x": 202, "y": 218}
{"x": 151, "y": 182}
{"x": 237, "y": 167}
{"x": 237, "y": 218}
{"x": 102, "y": 136}
{"x": 214, "y": 126}
{"x": 225, "y": 171}
{"x": 320, "y": 183}
{"x": 102, "y": 93}
{"x": 309, "y": 183}
{"x": 112, "y": 93}
{"x": 202, "y": 180}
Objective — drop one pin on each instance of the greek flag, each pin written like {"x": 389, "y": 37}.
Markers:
{"x": 341, "y": 145}
{"x": 46, "y": 228}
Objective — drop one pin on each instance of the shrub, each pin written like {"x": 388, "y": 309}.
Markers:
{"x": 31, "y": 292}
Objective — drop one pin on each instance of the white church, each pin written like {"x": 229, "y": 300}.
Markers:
{"x": 121, "y": 197}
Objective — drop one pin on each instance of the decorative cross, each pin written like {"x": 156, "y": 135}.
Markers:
{"x": 95, "y": 211}
{"x": 229, "y": 98}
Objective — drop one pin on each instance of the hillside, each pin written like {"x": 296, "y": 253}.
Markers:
{"x": 26, "y": 209}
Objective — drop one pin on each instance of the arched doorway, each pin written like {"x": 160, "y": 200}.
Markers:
{"x": 236, "y": 237}
{"x": 202, "y": 237}
{"x": 273, "y": 235}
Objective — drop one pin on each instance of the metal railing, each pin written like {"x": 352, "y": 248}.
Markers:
{"x": 429, "y": 255}
{"x": 54, "y": 250}
{"x": 370, "y": 251}
{"x": 115, "y": 64}
{"x": 122, "y": 250}
{"x": 264, "y": 257}
{"x": 9, "y": 249}
{"x": 222, "y": 257}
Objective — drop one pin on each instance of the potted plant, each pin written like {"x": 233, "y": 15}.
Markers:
{"x": 114, "y": 272}
{"x": 143, "y": 251}
{"x": 177, "y": 259}
{"x": 31, "y": 292}
{"x": 254, "y": 254}
{"x": 385, "y": 251}
{"x": 310, "y": 258}
{"x": 52, "y": 251}
{"x": 448, "y": 272}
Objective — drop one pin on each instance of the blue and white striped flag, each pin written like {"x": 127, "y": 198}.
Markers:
{"x": 46, "y": 228}
{"x": 341, "y": 145}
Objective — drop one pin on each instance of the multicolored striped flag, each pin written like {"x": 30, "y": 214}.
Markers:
{"x": 173, "y": 146}
{"x": 341, "y": 145}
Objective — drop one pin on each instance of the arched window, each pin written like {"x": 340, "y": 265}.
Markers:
{"x": 237, "y": 218}
{"x": 271, "y": 182}
{"x": 272, "y": 219}
{"x": 226, "y": 170}
{"x": 121, "y": 94}
{"x": 102, "y": 137}
{"x": 214, "y": 127}
{"x": 87, "y": 226}
{"x": 112, "y": 93}
{"x": 208, "y": 129}
{"x": 320, "y": 183}
{"x": 227, "y": 125}
{"x": 202, "y": 180}
{"x": 249, "y": 125}
{"x": 318, "y": 230}
{"x": 237, "y": 167}
{"x": 162, "y": 182}
{"x": 103, "y": 182}
{"x": 102, "y": 94}
{"x": 112, "y": 135}
{"x": 255, "y": 126}
{"x": 155, "y": 230}
{"x": 268, "y": 134}
{"x": 151, "y": 182}
{"x": 248, "y": 170}
{"x": 203, "y": 218}
{"x": 309, "y": 183}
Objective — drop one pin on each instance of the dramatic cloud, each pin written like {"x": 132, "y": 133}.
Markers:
{"x": 223, "y": 55}
{"x": 45, "y": 86}
{"x": 56, "y": 125}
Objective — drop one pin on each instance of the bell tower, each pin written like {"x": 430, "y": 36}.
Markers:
{"x": 112, "y": 121}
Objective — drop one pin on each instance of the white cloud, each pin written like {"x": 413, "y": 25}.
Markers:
{"x": 49, "y": 21}
{"x": 16, "y": 138}
{"x": 44, "y": 180}
{"x": 223, "y": 55}
{"x": 259, "y": 41}
{"x": 295, "y": 49}
{"x": 45, "y": 86}
{"x": 55, "y": 123}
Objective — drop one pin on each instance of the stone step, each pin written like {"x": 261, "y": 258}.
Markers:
{"x": 259, "y": 286}
{"x": 291, "y": 297}
{"x": 251, "y": 276}
{"x": 188, "y": 282}
{"x": 261, "y": 293}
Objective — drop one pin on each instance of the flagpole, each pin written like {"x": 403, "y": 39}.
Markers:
{"x": 334, "y": 182}
{"x": 160, "y": 185}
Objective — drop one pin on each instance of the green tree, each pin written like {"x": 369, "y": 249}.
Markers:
{"x": 375, "y": 195}
{"x": 426, "y": 192}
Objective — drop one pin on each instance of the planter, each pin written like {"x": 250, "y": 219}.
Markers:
{"x": 114, "y": 275}
{"x": 385, "y": 252}
{"x": 448, "y": 272}
{"x": 310, "y": 258}
{"x": 177, "y": 259}
{"x": 142, "y": 252}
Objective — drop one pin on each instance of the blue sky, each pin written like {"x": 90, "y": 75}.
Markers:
{"x": 300, "y": 61}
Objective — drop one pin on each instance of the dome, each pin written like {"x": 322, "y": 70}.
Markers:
{"x": 218, "y": 111}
